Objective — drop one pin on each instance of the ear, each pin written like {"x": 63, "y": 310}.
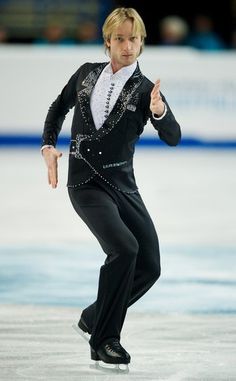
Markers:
{"x": 108, "y": 44}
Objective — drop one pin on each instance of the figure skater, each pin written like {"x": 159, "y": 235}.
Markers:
{"x": 112, "y": 103}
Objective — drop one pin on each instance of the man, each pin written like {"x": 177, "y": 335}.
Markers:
{"x": 113, "y": 102}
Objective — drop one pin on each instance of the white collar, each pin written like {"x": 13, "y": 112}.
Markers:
{"x": 122, "y": 74}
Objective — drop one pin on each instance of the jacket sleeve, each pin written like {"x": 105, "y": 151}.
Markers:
{"x": 58, "y": 110}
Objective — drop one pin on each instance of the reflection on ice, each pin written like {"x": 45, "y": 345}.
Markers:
{"x": 194, "y": 279}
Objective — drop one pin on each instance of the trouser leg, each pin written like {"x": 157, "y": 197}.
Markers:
{"x": 101, "y": 215}
{"x": 147, "y": 267}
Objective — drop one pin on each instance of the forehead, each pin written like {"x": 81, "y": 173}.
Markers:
{"x": 126, "y": 28}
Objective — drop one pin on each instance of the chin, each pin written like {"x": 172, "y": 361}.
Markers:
{"x": 129, "y": 60}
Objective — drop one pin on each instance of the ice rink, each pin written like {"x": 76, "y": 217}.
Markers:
{"x": 182, "y": 329}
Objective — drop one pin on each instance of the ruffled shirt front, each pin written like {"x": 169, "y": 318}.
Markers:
{"x": 107, "y": 90}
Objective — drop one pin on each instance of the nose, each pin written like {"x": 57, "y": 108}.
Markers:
{"x": 127, "y": 45}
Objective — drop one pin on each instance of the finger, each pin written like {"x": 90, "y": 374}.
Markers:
{"x": 155, "y": 90}
{"x": 156, "y": 97}
{"x": 157, "y": 83}
{"x": 53, "y": 182}
{"x": 52, "y": 171}
{"x": 49, "y": 180}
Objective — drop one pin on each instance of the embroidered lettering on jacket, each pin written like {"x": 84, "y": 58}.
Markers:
{"x": 111, "y": 165}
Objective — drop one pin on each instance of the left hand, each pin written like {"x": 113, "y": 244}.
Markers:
{"x": 157, "y": 106}
{"x": 51, "y": 156}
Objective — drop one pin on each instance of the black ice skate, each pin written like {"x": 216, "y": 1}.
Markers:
{"x": 112, "y": 355}
{"x": 111, "y": 352}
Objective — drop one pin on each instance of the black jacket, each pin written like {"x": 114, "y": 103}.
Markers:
{"x": 107, "y": 152}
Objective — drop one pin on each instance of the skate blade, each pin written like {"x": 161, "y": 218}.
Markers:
{"x": 83, "y": 334}
{"x": 110, "y": 368}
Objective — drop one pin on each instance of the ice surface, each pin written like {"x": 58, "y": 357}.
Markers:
{"x": 48, "y": 256}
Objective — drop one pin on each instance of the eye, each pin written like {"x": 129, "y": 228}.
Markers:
{"x": 132, "y": 39}
{"x": 119, "y": 38}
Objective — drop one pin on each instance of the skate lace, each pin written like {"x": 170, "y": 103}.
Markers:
{"x": 114, "y": 346}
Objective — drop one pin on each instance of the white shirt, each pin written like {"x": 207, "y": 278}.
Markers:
{"x": 107, "y": 90}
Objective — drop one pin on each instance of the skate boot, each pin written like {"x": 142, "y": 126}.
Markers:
{"x": 111, "y": 352}
{"x": 82, "y": 329}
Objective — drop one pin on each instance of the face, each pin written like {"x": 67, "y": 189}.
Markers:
{"x": 124, "y": 46}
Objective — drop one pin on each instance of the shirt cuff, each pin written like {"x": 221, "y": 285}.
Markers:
{"x": 45, "y": 146}
{"x": 162, "y": 116}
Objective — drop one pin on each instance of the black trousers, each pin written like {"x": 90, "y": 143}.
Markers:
{"x": 126, "y": 233}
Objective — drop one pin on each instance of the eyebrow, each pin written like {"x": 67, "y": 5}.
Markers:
{"x": 122, "y": 35}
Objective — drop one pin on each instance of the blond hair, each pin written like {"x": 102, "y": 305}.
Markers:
{"x": 117, "y": 17}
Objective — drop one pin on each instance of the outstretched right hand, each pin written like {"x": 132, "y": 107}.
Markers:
{"x": 51, "y": 155}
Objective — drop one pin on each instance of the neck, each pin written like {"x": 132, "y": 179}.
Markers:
{"x": 115, "y": 67}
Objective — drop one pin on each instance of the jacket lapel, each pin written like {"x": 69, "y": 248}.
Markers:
{"x": 84, "y": 97}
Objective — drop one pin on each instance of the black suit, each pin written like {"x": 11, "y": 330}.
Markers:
{"x": 104, "y": 193}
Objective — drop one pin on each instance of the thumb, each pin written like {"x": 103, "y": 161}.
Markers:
{"x": 59, "y": 154}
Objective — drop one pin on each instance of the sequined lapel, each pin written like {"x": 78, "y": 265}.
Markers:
{"x": 85, "y": 94}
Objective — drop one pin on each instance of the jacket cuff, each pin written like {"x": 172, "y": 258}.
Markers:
{"x": 156, "y": 117}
